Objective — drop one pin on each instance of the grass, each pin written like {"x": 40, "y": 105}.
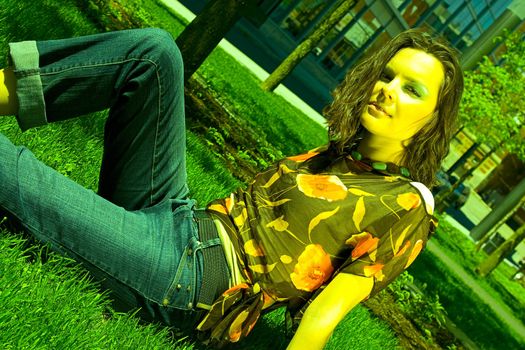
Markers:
{"x": 465, "y": 308}
{"x": 498, "y": 283}
{"x": 53, "y": 304}
{"x": 472, "y": 315}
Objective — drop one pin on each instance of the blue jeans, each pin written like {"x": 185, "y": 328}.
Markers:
{"x": 138, "y": 234}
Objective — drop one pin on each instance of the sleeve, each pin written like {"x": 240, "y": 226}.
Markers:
{"x": 387, "y": 247}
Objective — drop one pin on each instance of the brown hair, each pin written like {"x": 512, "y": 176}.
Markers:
{"x": 429, "y": 145}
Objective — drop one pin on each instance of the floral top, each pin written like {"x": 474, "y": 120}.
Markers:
{"x": 293, "y": 231}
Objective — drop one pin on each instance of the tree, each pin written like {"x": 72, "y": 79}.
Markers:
{"x": 204, "y": 33}
{"x": 493, "y": 108}
{"x": 493, "y": 105}
{"x": 307, "y": 45}
{"x": 493, "y": 260}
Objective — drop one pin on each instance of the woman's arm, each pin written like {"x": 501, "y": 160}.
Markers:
{"x": 320, "y": 319}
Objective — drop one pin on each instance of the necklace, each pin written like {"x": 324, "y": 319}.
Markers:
{"x": 382, "y": 167}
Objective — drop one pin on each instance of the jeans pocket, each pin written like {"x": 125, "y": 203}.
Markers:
{"x": 183, "y": 289}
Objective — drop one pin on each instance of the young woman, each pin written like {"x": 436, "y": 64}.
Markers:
{"x": 317, "y": 233}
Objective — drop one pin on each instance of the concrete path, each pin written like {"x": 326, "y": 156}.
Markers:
{"x": 502, "y": 311}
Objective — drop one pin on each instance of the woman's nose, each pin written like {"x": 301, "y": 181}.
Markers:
{"x": 389, "y": 91}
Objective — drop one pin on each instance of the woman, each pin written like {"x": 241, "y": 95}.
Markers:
{"x": 318, "y": 232}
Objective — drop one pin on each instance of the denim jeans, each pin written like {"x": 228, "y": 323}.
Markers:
{"x": 138, "y": 234}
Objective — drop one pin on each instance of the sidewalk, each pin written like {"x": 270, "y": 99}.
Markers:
{"x": 256, "y": 69}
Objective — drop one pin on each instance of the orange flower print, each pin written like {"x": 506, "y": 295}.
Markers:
{"x": 415, "y": 252}
{"x": 235, "y": 288}
{"x": 253, "y": 248}
{"x": 313, "y": 268}
{"x": 218, "y": 208}
{"x": 363, "y": 243}
{"x": 403, "y": 250}
{"x": 327, "y": 187}
{"x": 224, "y": 209}
{"x": 408, "y": 200}
{"x": 303, "y": 157}
{"x": 235, "y": 330}
{"x": 229, "y": 203}
{"x": 267, "y": 300}
{"x": 375, "y": 270}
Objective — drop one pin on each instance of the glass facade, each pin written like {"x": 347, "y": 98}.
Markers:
{"x": 462, "y": 22}
{"x": 344, "y": 42}
{"x": 303, "y": 16}
{"x": 370, "y": 23}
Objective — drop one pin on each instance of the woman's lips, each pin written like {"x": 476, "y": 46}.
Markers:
{"x": 376, "y": 111}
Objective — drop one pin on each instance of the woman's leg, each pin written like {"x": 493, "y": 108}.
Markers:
{"x": 137, "y": 74}
{"x": 142, "y": 255}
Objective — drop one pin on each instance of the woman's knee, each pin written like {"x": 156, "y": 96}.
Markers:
{"x": 159, "y": 46}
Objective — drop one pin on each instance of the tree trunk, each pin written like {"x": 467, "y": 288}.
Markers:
{"x": 204, "y": 33}
{"x": 441, "y": 198}
{"x": 472, "y": 169}
{"x": 501, "y": 253}
{"x": 305, "y": 47}
{"x": 497, "y": 225}
{"x": 508, "y": 204}
{"x": 462, "y": 160}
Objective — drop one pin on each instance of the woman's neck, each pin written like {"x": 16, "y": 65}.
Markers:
{"x": 381, "y": 149}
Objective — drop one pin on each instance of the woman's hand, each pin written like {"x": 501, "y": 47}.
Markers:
{"x": 341, "y": 295}
{"x": 8, "y": 98}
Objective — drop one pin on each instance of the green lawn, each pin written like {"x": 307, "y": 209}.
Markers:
{"x": 498, "y": 283}
{"x": 464, "y": 308}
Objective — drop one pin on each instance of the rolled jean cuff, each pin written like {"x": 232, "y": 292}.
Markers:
{"x": 25, "y": 59}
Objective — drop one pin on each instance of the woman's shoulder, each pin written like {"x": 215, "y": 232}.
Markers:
{"x": 426, "y": 195}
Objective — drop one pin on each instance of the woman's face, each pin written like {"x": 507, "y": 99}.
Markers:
{"x": 405, "y": 96}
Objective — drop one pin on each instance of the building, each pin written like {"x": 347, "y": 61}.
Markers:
{"x": 278, "y": 26}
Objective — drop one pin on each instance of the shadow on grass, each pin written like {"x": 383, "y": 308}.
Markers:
{"x": 466, "y": 309}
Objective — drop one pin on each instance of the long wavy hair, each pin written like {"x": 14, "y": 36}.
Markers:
{"x": 428, "y": 147}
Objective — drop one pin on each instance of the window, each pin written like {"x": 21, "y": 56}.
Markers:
{"x": 413, "y": 11}
{"x": 354, "y": 30}
{"x": 302, "y": 15}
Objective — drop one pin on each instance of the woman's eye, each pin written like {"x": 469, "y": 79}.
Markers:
{"x": 413, "y": 91}
{"x": 385, "y": 77}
